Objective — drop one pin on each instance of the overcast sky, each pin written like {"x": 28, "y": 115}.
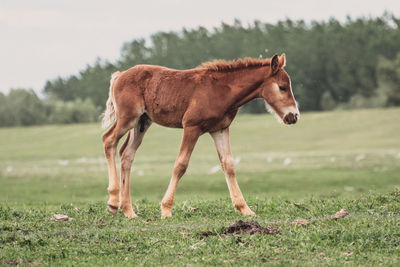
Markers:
{"x": 42, "y": 39}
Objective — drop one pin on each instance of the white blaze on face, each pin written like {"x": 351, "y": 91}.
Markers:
{"x": 281, "y": 112}
{"x": 296, "y": 110}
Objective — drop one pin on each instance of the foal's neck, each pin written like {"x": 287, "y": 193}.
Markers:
{"x": 245, "y": 84}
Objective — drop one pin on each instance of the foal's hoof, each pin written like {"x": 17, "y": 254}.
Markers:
{"x": 112, "y": 209}
{"x": 247, "y": 212}
{"x": 165, "y": 214}
{"x": 129, "y": 213}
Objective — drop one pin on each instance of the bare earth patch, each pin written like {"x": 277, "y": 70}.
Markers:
{"x": 61, "y": 217}
{"x": 241, "y": 227}
{"x": 252, "y": 227}
{"x": 340, "y": 214}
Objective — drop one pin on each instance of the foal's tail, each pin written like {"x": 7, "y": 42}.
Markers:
{"x": 109, "y": 113}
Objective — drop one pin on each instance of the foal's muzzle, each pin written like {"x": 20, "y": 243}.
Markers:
{"x": 291, "y": 118}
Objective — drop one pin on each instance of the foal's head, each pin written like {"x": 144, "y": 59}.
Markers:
{"x": 277, "y": 92}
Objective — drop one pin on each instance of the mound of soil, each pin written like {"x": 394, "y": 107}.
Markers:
{"x": 241, "y": 227}
{"x": 340, "y": 214}
{"x": 252, "y": 227}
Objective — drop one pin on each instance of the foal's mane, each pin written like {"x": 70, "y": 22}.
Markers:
{"x": 223, "y": 65}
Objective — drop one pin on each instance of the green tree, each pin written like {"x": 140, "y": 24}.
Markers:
{"x": 389, "y": 79}
{"x": 77, "y": 111}
{"x": 25, "y": 108}
{"x": 6, "y": 115}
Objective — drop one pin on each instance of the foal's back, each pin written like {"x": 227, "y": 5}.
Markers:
{"x": 164, "y": 94}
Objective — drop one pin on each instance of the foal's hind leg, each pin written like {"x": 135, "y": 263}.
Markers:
{"x": 221, "y": 140}
{"x": 127, "y": 154}
{"x": 110, "y": 140}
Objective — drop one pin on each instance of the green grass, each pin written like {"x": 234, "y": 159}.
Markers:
{"x": 329, "y": 161}
{"x": 369, "y": 236}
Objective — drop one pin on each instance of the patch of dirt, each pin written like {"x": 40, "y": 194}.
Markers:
{"x": 205, "y": 234}
{"x": 340, "y": 214}
{"x": 61, "y": 217}
{"x": 252, "y": 227}
{"x": 241, "y": 227}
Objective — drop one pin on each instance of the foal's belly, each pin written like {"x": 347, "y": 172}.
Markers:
{"x": 167, "y": 119}
{"x": 166, "y": 111}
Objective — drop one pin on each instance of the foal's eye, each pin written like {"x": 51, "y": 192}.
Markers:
{"x": 282, "y": 88}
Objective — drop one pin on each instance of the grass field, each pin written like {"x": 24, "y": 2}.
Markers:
{"x": 329, "y": 161}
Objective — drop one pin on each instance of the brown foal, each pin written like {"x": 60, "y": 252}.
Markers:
{"x": 201, "y": 100}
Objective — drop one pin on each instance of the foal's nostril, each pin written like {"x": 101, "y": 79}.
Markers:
{"x": 291, "y": 118}
{"x": 296, "y": 117}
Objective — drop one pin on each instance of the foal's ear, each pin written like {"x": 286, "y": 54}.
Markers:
{"x": 274, "y": 64}
{"x": 282, "y": 61}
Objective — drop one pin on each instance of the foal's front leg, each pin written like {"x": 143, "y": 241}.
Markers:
{"x": 189, "y": 139}
{"x": 221, "y": 140}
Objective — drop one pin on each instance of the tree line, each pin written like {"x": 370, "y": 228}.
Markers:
{"x": 23, "y": 107}
{"x": 333, "y": 65}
